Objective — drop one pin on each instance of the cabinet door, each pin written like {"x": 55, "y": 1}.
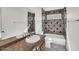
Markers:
{"x": 40, "y": 46}
{"x": 21, "y": 45}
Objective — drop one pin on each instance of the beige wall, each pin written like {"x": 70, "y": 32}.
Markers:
{"x": 72, "y": 28}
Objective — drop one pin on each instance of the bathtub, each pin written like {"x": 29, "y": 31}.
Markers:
{"x": 54, "y": 38}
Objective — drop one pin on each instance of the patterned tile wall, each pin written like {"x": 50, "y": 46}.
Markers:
{"x": 31, "y": 22}
{"x": 54, "y": 26}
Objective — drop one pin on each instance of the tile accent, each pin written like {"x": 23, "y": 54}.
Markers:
{"x": 54, "y": 26}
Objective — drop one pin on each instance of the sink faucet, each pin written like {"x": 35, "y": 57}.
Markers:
{"x": 26, "y": 29}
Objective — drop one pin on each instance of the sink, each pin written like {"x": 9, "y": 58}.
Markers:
{"x": 33, "y": 39}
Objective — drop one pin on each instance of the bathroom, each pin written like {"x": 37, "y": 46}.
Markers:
{"x": 38, "y": 28}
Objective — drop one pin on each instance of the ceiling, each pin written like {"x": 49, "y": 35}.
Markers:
{"x": 51, "y": 8}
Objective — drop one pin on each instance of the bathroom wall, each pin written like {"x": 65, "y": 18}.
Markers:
{"x": 14, "y": 21}
{"x": 38, "y": 21}
{"x": 72, "y": 28}
{"x": 72, "y": 13}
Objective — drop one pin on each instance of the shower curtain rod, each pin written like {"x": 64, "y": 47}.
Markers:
{"x": 73, "y": 20}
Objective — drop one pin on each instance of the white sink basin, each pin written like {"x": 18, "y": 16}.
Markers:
{"x": 33, "y": 39}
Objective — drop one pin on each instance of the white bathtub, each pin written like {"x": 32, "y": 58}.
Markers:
{"x": 53, "y": 38}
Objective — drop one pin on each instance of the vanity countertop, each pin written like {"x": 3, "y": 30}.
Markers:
{"x": 8, "y": 41}
{"x": 13, "y": 40}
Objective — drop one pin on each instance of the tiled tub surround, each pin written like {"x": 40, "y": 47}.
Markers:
{"x": 13, "y": 44}
{"x": 54, "y": 25}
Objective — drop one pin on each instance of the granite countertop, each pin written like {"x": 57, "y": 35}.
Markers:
{"x": 10, "y": 40}
{"x": 7, "y": 42}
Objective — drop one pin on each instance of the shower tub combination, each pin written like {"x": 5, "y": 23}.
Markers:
{"x": 55, "y": 42}
{"x": 53, "y": 24}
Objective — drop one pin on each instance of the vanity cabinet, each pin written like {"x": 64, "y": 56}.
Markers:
{"x": 40, "y": 46}
{"x": 22, "y": 45}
